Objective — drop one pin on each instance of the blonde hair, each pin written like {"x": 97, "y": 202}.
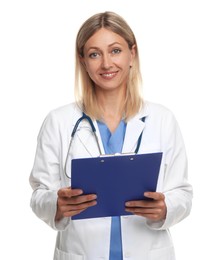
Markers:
{"x": 84, "y": 86}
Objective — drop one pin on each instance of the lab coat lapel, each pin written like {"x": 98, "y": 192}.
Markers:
{"x": 134, "y": 128}
{"x": 88, "y": 140}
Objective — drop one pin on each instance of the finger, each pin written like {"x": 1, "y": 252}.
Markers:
{"x": 154, "y": 217}
{"x": 154, "y": 195}
{"x": 68, "y": 192}
{"x": 153, "y": 214}
{"x": 75, "y": 207}
{"x": 73, "y": 210}
{"x": 142, "y": 211}
{"x": 81, "y": 199}
{"x": 140, "y": 204}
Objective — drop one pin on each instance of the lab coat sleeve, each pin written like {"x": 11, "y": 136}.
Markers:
{"x": 178, "y": 192}
{"x": 45, "y": 175}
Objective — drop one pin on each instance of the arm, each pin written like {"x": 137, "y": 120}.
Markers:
{"x": 176, "y": 188}
{"x": 50, "y": 202}
{"x": 173, "y": 202}
{"x": 45, "y": 175}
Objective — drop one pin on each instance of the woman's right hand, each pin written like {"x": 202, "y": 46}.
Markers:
{"x": 71, "y": 202}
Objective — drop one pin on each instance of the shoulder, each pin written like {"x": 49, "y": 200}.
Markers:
{"x": 158, "y": 115}
{"x": 151, "y": 109}
{"x": 70, "y": 110}
{"x": 161, "y": 117}
{"x": 64, "y": 113}
{"x": 61, "y": 117}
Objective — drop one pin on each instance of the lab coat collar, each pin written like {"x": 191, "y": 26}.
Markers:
{"x": 135, "y": 126}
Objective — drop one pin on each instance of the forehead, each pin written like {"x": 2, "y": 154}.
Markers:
{"x": 104, "y": 37}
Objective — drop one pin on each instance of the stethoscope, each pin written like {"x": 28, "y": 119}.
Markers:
{"x": 93, "y": 129}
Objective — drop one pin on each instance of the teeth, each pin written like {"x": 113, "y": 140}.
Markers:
{"x": 108, "y": 75}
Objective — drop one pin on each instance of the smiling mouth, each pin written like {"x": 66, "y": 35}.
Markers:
{"x": 109, "y": 75}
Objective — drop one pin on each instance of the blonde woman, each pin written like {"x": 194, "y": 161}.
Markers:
{"x": 108, "y": 89}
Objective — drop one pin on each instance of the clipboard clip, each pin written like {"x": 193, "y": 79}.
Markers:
{"x": 116, "y": 154}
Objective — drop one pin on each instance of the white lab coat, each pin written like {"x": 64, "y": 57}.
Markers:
{"x": 90, "y": 239}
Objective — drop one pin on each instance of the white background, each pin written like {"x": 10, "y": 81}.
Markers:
{"x": 177, "y": 43}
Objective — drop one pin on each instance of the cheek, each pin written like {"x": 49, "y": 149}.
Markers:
{"x": 91, "y": 70}
{"x": 91, "y": 67}
{"x": 125, "y": 62}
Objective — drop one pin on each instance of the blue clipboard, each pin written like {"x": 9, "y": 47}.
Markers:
{"x": 115, "y": 180}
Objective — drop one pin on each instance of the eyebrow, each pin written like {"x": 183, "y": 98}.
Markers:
{"x": 97, "y": 48}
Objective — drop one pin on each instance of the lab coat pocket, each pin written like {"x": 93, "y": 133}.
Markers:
{"x": 61, "y": 255}
{"x": 166, "y": 253}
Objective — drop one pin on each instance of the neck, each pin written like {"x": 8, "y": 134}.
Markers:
{"x": 112, "y": 108}
{"x": 111, "y": 102}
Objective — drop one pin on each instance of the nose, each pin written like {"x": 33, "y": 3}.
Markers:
{"x": 106, "y": 61}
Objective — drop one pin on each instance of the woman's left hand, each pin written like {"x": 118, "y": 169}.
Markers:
{"x": 154, "y": 209}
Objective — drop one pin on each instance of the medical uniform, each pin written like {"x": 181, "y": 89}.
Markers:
{"x": 113, "y": 143}
{"x": 89, "y": 239}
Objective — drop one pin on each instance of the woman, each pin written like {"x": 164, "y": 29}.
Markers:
{"x": 108, "y": 90}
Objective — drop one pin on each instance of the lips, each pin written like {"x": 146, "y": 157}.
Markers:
{"x": 108, "y": 75}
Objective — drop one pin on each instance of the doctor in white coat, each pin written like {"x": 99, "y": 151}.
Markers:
{"x": 107, "y": 84}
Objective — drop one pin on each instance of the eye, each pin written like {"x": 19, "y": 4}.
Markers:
{"x": 116, "y": 51}
{"x": 94, "y": 55}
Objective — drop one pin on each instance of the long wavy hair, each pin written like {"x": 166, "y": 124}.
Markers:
{"x": 84, "y": 86}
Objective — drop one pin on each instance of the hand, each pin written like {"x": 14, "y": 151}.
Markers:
{"x": 152, "y": 209}
{"x": 71, "y": 202}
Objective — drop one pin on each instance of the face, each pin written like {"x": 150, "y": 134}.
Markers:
{"x": 107, "y": 59}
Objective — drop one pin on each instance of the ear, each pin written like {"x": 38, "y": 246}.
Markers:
{"x": 133, "y": 54}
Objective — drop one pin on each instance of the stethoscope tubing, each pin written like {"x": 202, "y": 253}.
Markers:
{"x": 85, "y": 117}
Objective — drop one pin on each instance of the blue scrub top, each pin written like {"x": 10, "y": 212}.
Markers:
{"x": 113, "y": 143}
